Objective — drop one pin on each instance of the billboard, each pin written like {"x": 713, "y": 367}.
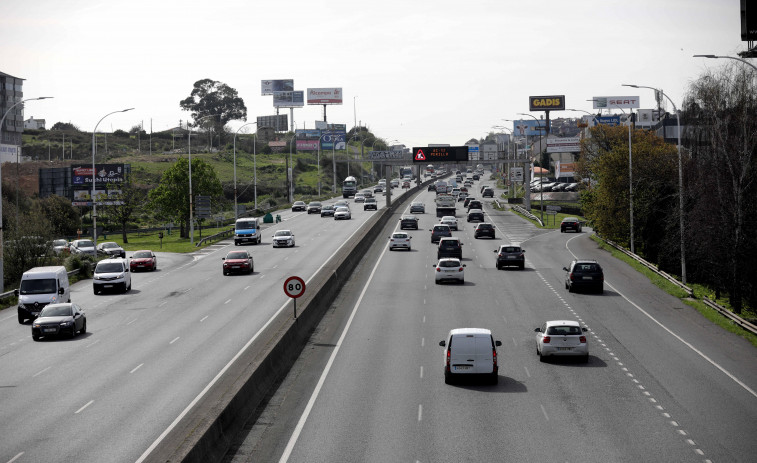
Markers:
{"x": 268, "y": 87}
{"x": 104, "y": 198}
{"x": 307, "y": 145}
{"x": 608, "y": 120}
{"x": 278, "y": 122}
{"x": 546, "y": 103}
{"x": 564, "y": 145}
{"x": 333, "y": 137}
{"x": 610, "y": 102}
{"x": 426, "y": 154}
{"x": 565, "y": 169}
{"x": 289, "y": 99}
{"x": 106, "y": 174}
{"x": 307, "y": 134}
{"x": 329, "y": 95}
{"x": 529, "y": 127}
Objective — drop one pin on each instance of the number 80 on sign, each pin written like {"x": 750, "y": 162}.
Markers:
{"x": 294, "y": 287}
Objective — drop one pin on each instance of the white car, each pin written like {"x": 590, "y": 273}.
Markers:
{"x": 562, "y": 338}
{"x": 86, "y": 247}
{"x": 283, "y": 238}
{"x": 342, "y": 213}
{"x": 341, "y": 203}
{"x": 450, "y": 221}
{"x": 470, "y": 351}
{"x": 359, "y": 197}
{"x": 111, "y": 274}
{"x": 449, "y": 269}
{"x": 399, "y": 240}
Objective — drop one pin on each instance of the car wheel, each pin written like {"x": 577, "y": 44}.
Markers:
{"x": 600, "y": 290}
{"x": 499, "y": 267}
{"x": 73, "y": 331}
{"x": 21, "y": 319}
{"x": 84, "y": 327}
{"x": 447, "y": 377}
{"x": 94, "y": 290}
{"x": 436, "y": 282}
{"x": 585, "y": 359}
{"x": 542, "y": 358}
{"x": 570, "y": 288}
{"x": 522, "y": 266}
{"x": 494, "y": 379}
{"x": 224, "y": 272}
{"x": 35, "y": 337}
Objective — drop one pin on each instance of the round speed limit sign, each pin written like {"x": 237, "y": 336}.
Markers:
{"x": 294, "y": 287}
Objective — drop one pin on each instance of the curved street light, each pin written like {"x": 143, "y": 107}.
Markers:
{"x": 191, "y": 206}
{"x": 2, "y": 125}
{"x": 94, "y": 199}
{"x": 235, "y": 168}
{"x": 727, "y": 57}
{"x": 541, "y": 183}
{"x": 680, "y": 176}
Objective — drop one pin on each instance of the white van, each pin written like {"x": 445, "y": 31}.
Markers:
{"x": 247, "y": 230}
{"x": 41, "y": 286}
{"x": 112, "y": 274}
{"x": 470, "y": 351}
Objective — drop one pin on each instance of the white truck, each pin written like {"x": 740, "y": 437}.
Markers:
{"x": 445, "y": 205}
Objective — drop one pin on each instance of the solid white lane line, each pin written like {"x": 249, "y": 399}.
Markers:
{"x": 227, "y": 301}
{"x": 203, "y": 318}
{"x": 162, "y": 303}
{"x": 515, "y": 342}
{"x": 15, "y": 458}
{"x": 246, "y": 288}
{"x": 423, "y": 342}
{"x": 174, "y": 340}
{"x": 421, "y": 371}
{"x": 85, "y": 406}
{"x": 527, "y": 373}
{"x": 131, "y": 322}
{"x": 40, "y": 372}
{"x": 420, "y": 412}
{"x": 137, "y": 368}
{"x": 90, "y": 345}
{"x": 543, "y": 410}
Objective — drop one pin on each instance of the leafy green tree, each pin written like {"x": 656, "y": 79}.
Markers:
{"x": 170, "y": 200}
{"x": 132, "y": 198}
{"x": 65, "y": 126}
{"x": 213, "y": 98}
{"x": 63, "y": 217}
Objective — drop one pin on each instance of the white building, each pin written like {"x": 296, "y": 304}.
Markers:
{"x": 34, "y": 124}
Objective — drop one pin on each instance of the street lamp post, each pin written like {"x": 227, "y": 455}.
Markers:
{"x": 189, "y": 152}
{"x": 727, "y": 57}
{"x": 2, "y": 125}
{"x": 94, "y": 199}
{"x": 680, "y": 177}
{"x": 235, "y": 168}
{"x": 290, "y": 174}
{"x": 541, "y": 183}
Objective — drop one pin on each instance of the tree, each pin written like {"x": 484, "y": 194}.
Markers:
{"x": 63, "y": 217}
{"x": 720, "y": 112}
{"x": 213, "y": 98}
{"x": 170, "y": 200}
{"x": 132, "y": 198}
{"x": 65, "y": 126}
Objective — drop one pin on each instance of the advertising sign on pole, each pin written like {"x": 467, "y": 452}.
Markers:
{"x": 105, "y": 174}
{"x": 546, "y": 103}
{"x": 564, "y": 145}
{"x": 610, "y": 102}
{"x": 331, "y": 95}
{"x": 268, "y": 87}
{"x": 516, "y": 174}
{"x": 288, "y": 99}
{"x": 522, "y": 128}
{"x": 330, "y": 137}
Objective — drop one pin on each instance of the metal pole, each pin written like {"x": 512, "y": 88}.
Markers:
{"x": 236, "y": 215}
{"x": 333, "y": 162}
{"x": 630, "y": 184}
{"x": 728, "y": 57}
{"x": 191, "y": 201}
{"x": 255, "y": 166}
{"x": 319, "y": 167}
{"x": 290, "y": 173}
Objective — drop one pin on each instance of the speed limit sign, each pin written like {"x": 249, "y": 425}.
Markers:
{"x": 294, "y": 287}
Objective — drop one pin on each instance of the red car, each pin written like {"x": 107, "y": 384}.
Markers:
{"x": 143, "y": 260}
{"x": 238, "y": 262}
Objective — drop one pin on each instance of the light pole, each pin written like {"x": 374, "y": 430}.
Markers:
{"x": 191, "y": 206}
{"x": 347, "y": 152}
{"x": 235, "y": 168}
{"x": 2, "y": 125}
{"x": 320, "y": 139}
{"x": 290, "y": 174}
{"x": 94, "y": 199}
{"x": 727, "y": 57}
{"x": 680, "y": 177}
{"x": 541, "y": 179}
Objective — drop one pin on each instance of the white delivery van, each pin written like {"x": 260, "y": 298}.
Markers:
{"x": 470, "y": 351}
{"x": 247, "y": 230}
{"x": 41, "y": 286}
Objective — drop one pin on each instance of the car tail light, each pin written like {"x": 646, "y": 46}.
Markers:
{"x": 460, "y": 269}
{"x": 570, "y": 275}
{"x": 545, "y": 339}
{"x": 582, "y": 339}
{"x": 438, "y": 269}
{"x": 448, "y": 359}
{"x": 494, "y": 357}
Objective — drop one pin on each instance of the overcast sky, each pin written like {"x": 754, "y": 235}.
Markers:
{"x": 417, "y": 71}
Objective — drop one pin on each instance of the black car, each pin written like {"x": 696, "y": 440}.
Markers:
{"x": 450, "y": 247}
{"x": 476, "y": 177}
{"x": 570, "y": 223}
{"x": 484, "y": 229}
{"x": 440, "y": 231}
{"x": 488, "y": 192}
{"x": 584, "y": 274}
{"x": 431, "y": 187}
{"x": 327, "y": 210}
{"x": 58, "y": 320}
{"x": 370, "y": 203}
{"x": 510, "y": 256}
{"x": 314, "y": 207}
{"x": 475, "y": 215}
{"x": 474, "y": 204}
{"x": 468, "y": 200}
{"x": 408, "y": 221}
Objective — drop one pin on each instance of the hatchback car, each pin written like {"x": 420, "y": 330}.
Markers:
{"x": 417, "y": 206}
{"x": 562, "y": 338}
{"x": 378, "y": 189}
{"x": 299, "y": 206}
{"x": 109, "y": 248}
{"x": 143, "y": 260}
{"x": 450, "y": 221}
{"x": 283, "y": 238}
{"x": 314, "y": 207}
{"x": 359, "y": 197}
{"x": 370, "y": 203}
{"x": 59, "y": 319}
{"x": 60, "y": 246}
{"x": 484, "y": 229}
{"x": 509, "y": 256}
{"x": 450, "y": 247}
{"x": 238, "y": 262}
{"x": 439, "y": 231}
{"x": 470, "y": 351}
{"x": 468, "y": 200}
{"x": 342, "y": 213}
{"x": 368, "y": 193}
{"x": 488, "y": 192}
{"x": 584, "y": 274}
{"x": 111, "y": 274}
{"x": 399, "y": 240}
{"x": 431, "y": 187}
{"x": 341, "y": 203}
{"x": 449, "y": 269}
{"x": 327, "y": 210}
{"x": 85, "y": 247}
{"x": 475, "y": 204}
{"x": 570, "y": 223}
{"x": 408, "y": 221}
{"x": 475, "y": 215}
{"x": 476, "y": 177}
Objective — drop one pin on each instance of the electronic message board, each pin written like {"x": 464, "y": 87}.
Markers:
{"x": 440, "y": 154}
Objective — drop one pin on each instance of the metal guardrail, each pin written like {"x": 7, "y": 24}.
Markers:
{"x": 708, "y": 302}
{"x": 224, "y": 233}
{"x": 528, "y": 214}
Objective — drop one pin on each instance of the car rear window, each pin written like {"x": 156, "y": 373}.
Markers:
{"x": 237, "y": 255}
{"x": 587, "y": 268}
{"x": 485, "y": 225}
{"x": 441, "y": 228}
{"x": 563, "y": 330}
{"x": 449, "y": 244}
{"x": 510, "y": 249}
{"x": 449, "y": 263}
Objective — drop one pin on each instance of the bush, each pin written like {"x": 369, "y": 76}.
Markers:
{"x": 83, "y": 263}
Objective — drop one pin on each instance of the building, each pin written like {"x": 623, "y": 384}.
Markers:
{"x": 11, "y": 92}
{"x": 34, "y": 124}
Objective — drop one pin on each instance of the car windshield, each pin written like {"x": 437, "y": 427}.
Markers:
{"x": 586, "y": 268}
{"x": 59, "y": 242}
{"x": 283, "y": 233}
{"x": 449, "y": 263}
{"x": 399, "y": 235}
{"x": 484, "y": 226}
{"x": 85, "y": 244}
{"x": 56, "y": 311}
{"x": 142, "y": 255}
{"x": 237, "y": 255}
{"x": 246, "y": 225}
{"x": 342, "y": 209}
{"x": 314, "y": 204}
{"x": 109, "y": 267}
{"x": 510, "y": 249}
{"x": 41, "y": 286}
{"x": 570, "y": 219}
{"x": 328, "y": 207}
{"x": 563, "y": 330}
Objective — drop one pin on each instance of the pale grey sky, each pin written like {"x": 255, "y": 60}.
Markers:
{"x": 421, "y": 71}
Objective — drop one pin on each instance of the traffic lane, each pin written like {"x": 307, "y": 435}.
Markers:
{"x": 473, "y": 421}
{"x": 163, "y": 318}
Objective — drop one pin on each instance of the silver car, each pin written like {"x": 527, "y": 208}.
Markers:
{"x": 84, "y": 247}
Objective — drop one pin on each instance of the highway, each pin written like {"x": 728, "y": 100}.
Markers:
{"x": 108, "y": 395}
{"x": 662, "y": 383}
